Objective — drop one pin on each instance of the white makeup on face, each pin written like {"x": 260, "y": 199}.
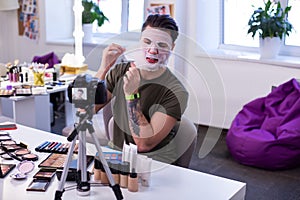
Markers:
{"x": 156, "y": 46}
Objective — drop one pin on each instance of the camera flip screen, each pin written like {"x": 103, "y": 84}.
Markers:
{"x": 79, "y": 94}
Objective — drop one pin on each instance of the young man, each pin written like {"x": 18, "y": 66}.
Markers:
{"x": 149, "y": 99}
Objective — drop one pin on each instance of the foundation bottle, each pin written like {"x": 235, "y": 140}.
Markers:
{"x": 103, "y": 175}
{"x": 114, "y": 168}
{"x": 124, "y": 173}
{"x": 97, "y": 170}
{"x": 133, "y": 185}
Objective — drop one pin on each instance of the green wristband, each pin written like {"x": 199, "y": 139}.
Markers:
{"x": 132, "y": 96}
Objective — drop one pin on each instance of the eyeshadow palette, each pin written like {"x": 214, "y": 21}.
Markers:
{"x": 56, "y": 161}
{"x": 6, "y": 93}
{"x": 39, "y": 185}
{"x": 5, "y": 169}
{"x": 45, "y": 173}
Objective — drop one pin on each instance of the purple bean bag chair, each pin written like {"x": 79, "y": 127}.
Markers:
{"x": 266, "y": 132}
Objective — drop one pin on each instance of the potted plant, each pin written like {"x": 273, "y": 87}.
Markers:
{"x": 91, "y": 12}
{"x": 272, "y": 25}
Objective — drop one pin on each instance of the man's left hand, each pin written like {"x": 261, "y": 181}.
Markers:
{"x": 131, "y": 80}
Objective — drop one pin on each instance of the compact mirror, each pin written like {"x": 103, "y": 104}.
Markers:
{"x": 24, "y": 168}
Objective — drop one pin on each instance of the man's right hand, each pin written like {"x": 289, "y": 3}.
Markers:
{"x": 109, "y": 56}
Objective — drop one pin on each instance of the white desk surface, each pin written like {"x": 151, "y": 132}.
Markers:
{"x": 167, "y": 181}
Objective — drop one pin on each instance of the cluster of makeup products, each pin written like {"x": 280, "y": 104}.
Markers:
{"x": 23, "y": 78}
{"x": 128, "y": 171}
{"x": 10, "y": 149}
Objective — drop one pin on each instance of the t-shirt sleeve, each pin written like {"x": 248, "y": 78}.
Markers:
{"x": 114, "y": 75}
{"x": 176, "y": 105}
{"x": 173, "y": 104}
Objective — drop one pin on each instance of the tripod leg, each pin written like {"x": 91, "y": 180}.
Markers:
{"x": 115, "y": 187}
{"x": 83, "y": 186}
{"x": 60, "y": 190}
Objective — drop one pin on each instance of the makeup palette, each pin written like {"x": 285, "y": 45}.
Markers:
{"x": 4, "y": 137}
{"x": 30, "y": 157}
{"x": 24, "y": 90}
{"x": 8, "y": 142}
{"x": 6, "y": 93}
{"x": 22, "y": 152}
{"x": 5, "y": 169}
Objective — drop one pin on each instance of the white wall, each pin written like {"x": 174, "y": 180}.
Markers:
{"x": 237, "y": 83}
{"x": 218, "y": 87}
{"x": 13, "y": 46}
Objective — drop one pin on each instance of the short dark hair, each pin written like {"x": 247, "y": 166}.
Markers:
{"x": 164, "y": 22}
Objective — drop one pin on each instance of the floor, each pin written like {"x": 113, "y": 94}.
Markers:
{"x": 261, "y": 184}
{"x": 59, "y": 123}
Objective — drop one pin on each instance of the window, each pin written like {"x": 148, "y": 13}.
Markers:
{"x": 236, "y": 14}
{"x": 294, "y": 38}
{"x": 123, "y": 15}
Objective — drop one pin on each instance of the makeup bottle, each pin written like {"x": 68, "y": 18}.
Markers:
{"x": 97, "y": 170}
{"x": 124, "y": 173}
{"x": 133, "y": 185}
{"x": 21, "y": 78}
{"x": 114, "y": 168}
{"x": 54, "y": 76}
{"x": 103, "y": 175}
{"x": 26, "y": 77}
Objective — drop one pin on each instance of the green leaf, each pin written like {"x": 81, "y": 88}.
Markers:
{"x": 270, "y": 21}
{"x": 91, "y": 13}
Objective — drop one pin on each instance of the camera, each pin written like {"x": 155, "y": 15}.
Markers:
{"x": 86, "y": 90}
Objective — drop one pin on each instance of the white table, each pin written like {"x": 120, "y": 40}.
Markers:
{"x": 167, "y": 181}
{"x": 34, "y": 110}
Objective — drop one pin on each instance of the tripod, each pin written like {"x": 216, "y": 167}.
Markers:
{"x": 83, "y": 186}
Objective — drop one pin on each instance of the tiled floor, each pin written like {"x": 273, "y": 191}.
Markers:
{"x": 261, "y": 184}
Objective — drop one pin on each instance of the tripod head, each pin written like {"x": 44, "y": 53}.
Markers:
{"x": 85, "y": 121}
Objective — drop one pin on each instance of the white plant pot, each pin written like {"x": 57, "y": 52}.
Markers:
{"x": 269, "y": 47}
{"x": 88, "y": 32}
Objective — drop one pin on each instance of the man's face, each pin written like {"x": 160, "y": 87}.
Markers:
{"x": 156, "y": 46}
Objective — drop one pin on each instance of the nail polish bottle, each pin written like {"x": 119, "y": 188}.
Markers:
{"x": 124, "y": 173}
{"x": 133, "y": 185}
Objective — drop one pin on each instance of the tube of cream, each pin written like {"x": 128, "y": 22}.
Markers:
{"x": 133, "y": 156}
{"x": 146, "y": 172}
{"x": 125, "y": 152}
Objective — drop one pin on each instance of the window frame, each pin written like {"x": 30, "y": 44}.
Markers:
{"x": 286, "y": 50}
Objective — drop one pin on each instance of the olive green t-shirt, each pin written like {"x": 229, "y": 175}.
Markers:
{"x": 163, "y": 94}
